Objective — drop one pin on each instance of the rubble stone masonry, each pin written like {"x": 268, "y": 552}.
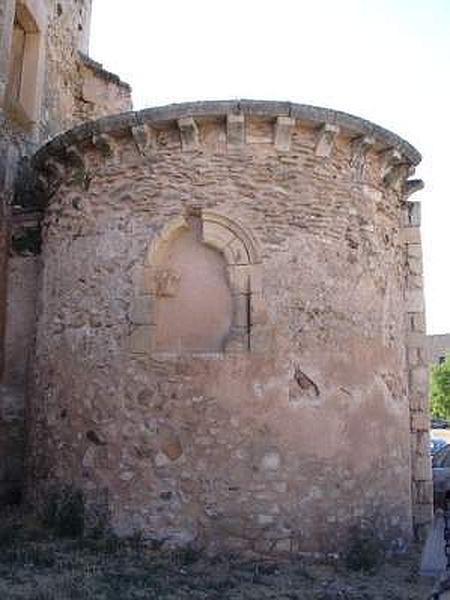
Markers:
{"x": 230, "y": 327}
{"x": 57, "y": 87}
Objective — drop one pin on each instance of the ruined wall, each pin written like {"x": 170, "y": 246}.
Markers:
{"x": 84, "y": 90}
{"x": 294, "y": 425}
{"x": 66, "y": 88}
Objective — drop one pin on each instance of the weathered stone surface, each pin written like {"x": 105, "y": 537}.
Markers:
{"x": 284, "y": 127}
{"x": 296, "y": 215}
{"x": 316, "y": 346}
{"x": 411, "y": 235}
{"x": 235, "y": 130}
{"x": 326, "y": 138}
{"x": 59, "y": 87}
{"x": 188, "y": 133}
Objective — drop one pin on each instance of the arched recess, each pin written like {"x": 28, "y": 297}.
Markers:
{"x": 159, "y": 282}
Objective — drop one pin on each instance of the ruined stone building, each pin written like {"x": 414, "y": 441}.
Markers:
{"x": 212, "y": 313}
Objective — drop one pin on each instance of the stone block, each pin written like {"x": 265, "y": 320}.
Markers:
{"x": 235, "y": 130}
{"x": 421, "y": 468}
{"x": 414, "y": 282}
{"x": 414, "y": 251}
{"x": 423, "y": 513}
{"x": 415, "y": 265}
{"x": 284, "y": 126}
{"x": 238, "y": 340}
{"x": 360, "y": 147}
{"x": 419, "y": 379}
{"x": 188, "y": 133}
{"x": 261, "y": 339}
{"x": 236, "y": 253}
{"x": 410, "y": 235}
{"x": 420, "y": 443}
{"x": 413, "y": 357}
{"x": 241, "y": 306}
{"x": 414, "y": 301}
{"x": 144, "y": 138}
{"x": 141, "y": 310}
{"x": 216, "y": 235}
{"x": 172, "y": 448}
{"x": 140, "y": 339}
{"x": 420, "y": 422}
{"x": 418, "y": 322}
{"x": 258, "y": 314}
{"x": 271, "y": 461}
{"x": 325, "y": 139}
{"x": 417, "y": 400}
{"x": 239, "y": 278}
{"x": 422, "y": 492}
{"x": 106, "y": 144}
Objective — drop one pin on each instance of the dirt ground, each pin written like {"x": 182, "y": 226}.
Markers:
{"x": 35, "y": 566}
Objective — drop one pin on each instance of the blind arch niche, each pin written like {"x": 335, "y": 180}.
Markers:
{"x": 199, "y": 290}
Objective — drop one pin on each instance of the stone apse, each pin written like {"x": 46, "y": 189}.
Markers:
{"x": 230, "y": 330}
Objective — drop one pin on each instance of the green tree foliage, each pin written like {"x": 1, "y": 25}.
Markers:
{"x": 440, "y": 389}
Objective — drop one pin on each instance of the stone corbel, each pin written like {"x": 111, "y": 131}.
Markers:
{"x": 50, "y": 175}
{"x": 189, "y": 134}
{"x": 411, "y": 186}
{"x": 55, "y": 169}
{"x": 43, "y": 183}
{"x": 105, "y": 144}
{"x": 284, "y": 126}
{"x": 143, "y": 138}
{"x": 235, "y": 130}
{"x": 360, "y": 147}
{"x": 75, "y": 157}
{"x": 393, "y": 167}
{"x": 326, "y": 138}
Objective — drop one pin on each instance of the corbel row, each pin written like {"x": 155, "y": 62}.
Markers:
{"x": 395, "y": 170}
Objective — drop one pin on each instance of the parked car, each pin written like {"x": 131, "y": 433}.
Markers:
{"x": 439, "y": 423}
{"x": 441, "y": 476}
{"x": 436, "y": 444}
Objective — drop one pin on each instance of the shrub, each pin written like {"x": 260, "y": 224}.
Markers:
{"x": 365, "y": 550}
{"x": 65, "y": 514}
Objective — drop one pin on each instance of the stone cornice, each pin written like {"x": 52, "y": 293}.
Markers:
{"x": 174, "y": 113}
{"x": 69, "y": 151}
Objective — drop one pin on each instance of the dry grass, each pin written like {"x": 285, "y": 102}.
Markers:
{"x": 35, "y": 566}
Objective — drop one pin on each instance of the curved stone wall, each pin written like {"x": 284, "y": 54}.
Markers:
{"x": 290, "y": 427}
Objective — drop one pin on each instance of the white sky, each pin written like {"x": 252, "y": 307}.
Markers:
{"x": 385, "y": 60}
